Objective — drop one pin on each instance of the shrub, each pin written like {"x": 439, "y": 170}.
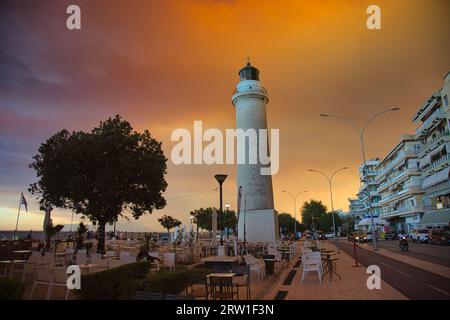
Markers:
{"x": 123, "y": 282}
{"x": 117, "y": 283}
{"x": 11, "y": 289}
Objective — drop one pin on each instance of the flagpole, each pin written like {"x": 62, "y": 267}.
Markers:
{"x": 17, "y": 222}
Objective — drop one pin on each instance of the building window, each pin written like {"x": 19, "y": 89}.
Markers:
{"x": 446, "y": 100}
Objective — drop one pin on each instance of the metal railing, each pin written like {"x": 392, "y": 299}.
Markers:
{"x": 437, "y": 162}
{"x": 439, "y": 136}
{"x": 434, "y": 116}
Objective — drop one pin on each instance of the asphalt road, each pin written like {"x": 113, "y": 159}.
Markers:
{"x": 414, "y": 283}
{"x": 422, "y": 251}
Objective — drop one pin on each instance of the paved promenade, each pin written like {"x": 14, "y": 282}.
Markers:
{"x": 351, "y": 287}
{"x": 418, "y": 263}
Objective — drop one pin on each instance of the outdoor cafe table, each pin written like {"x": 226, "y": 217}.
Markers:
{"x": 9, "y": 265}
{"x": 221, "y": 260}
{"x": 222, "y": 275}
{"x": 331, "y": 268}
{"x": 86, "y": 268}
{"x": 22, "y": 253}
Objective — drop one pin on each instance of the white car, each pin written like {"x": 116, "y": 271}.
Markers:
{"x": 329, "y": 235}
{"x": 420, "y": 235}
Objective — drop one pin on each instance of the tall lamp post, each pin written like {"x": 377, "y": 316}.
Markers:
{"x": 228, "y": 231}
{"x": 330, "y": 180}
{"x": 220, "y": 179}
{"x": 361, "y": 139}
{"x": 295, "y": 208}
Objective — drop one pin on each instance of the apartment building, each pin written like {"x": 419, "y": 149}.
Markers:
{"x": 359, "y": 207}
{"x": 399, "y": 186}
{"x": 433, "y": 132}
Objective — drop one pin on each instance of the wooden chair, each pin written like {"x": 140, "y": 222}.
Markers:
{"x": 242, "y": 279}
{"x": 221, "y": 288}
{"x": 197, "y": 286}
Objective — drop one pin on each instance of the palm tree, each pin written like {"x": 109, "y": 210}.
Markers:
{"x": 168, "y": 223}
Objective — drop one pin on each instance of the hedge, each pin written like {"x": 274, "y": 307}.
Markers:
{"x": 11, "y": 289}
{"x": 123, "y": 282}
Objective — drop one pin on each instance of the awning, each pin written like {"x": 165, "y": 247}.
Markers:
{"x": 438, "y": 217}
{"x": 436, "y": 178}
{"x": 425, "y": 160}
{"x": 368, "y": 221}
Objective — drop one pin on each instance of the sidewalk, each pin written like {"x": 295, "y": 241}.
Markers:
{"x": 422, "y": 264}
{"x": 351, "y": 287}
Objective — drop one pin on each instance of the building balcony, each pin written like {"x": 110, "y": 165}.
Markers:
{"x": 428, "y": 124}
{"x": 405, "y": 192}
{"x": 401, "y": 211}
{"x": 439, "y": 163}
{"x": 402, "y": 155}
{"x": 444, "y": 137}
{"x": 438, "y": 187}
{"x": 396, "y": 178}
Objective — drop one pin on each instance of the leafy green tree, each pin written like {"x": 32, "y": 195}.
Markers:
{"x": 203, "y": 218}
{"x": 313, "y": 209}
{"x": 169, "y": 222}
{"x": 51, "y": 231}
{"x": 287, "y": 223}
{"x": 101, "y": 173}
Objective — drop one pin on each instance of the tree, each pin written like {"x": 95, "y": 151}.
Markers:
{"x": 100, "y": 174}
{"x": 51, "y": 231}
{"x": 287, "y": 223}
{"x": 313, "y": 209}
{"x": 203, "y": 218}
{"x": 168, "y": 222}
{"x": 229, "y": 220}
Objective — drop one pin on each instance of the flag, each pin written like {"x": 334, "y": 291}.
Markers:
{"x": 23, "y": 201}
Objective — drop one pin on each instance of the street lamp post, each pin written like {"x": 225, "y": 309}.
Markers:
{"x": 295, "y": 208}
{"x": 220, "y": 179}
{"x": 361, "y": 139}
{"x": 228, "y": 231}
{"x": 330, "y": 180}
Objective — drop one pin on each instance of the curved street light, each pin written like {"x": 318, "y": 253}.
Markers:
{"x": 295, "y": 207}
{"x": 220, "y": 179}
{"x": 330, "y": 180}
{"x": 361, "y": 138}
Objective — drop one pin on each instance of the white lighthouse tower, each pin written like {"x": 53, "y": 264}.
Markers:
{"x": 257, "y": 219}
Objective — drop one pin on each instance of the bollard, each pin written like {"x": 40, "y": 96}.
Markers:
{"x": 354, "y": 253}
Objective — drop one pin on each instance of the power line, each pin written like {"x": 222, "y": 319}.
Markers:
{"x": 192, "y": 194}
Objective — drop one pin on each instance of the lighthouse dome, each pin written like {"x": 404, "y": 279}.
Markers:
{"x": 249, "y": 72}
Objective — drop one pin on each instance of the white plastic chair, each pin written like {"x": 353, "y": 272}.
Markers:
{"x": 59, "y": 278}
{"x": 169, "y": 260}
{"x": 96, "y": 257}
{"x": 42, "y": 277}
{"x": 32, "y": 261}
{"x": 123, "y": 255}
{"x": 80, "y": 259}
{"x": 257, "y": 265}
{"x": 312, "y": 264}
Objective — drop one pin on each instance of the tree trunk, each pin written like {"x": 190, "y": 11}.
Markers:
{"x": 101, "y": 238}
{"x": 196, "y": 240}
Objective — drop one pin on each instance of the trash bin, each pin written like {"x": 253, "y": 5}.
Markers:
{"x": 269, "y": 260}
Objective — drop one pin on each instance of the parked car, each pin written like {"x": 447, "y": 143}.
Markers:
{"x": 321, "y": 236}
{"x": 329, "y": 235}
{"x": 440, "y": 236}
{"x": 419, "y": 235}
{"x": 357, "y": 236}
{"x": 390, "y": 236}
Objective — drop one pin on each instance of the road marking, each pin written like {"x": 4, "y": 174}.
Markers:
{"x": 385, "y": 264}
{"x": 405, "y": 274}
{"x": 437, "y": 289}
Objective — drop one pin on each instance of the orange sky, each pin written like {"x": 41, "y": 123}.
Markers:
{"x": 164, "y": 64}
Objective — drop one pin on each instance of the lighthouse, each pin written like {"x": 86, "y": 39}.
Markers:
{"x": 258, "y": 221}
